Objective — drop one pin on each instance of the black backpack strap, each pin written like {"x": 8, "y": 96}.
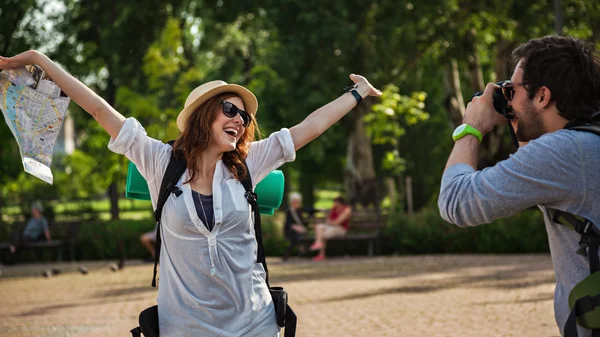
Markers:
{"x": 590, "y": 236}
{"x": 593, "y": 128}
{"x": 253, "y": 201}
{"x": 290, "y": 322}
{"x": 582, "y": 306}
{"x": 290, "y": 317}
{"x": 136, "y": 332}
{"x": 175, "y": 169}
{"x": 590, "y": 125}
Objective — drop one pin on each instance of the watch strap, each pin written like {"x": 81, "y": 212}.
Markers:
{"x": 352, "y": 89}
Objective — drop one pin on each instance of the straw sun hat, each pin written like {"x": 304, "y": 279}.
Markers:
{"x": 207, "y": 90}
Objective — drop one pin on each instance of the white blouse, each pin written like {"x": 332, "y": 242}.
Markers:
{"x": 210, "y": 283}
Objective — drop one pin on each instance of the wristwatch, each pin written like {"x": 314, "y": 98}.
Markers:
{"x": 352, "y": 89}
{"x": 465, "y": 129}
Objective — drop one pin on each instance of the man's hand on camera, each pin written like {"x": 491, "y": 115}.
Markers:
{"x": 480, "y": 112}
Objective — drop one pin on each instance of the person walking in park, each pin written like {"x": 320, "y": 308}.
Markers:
{"x": 210, "y": 283}
{"x": 555, "y": 86}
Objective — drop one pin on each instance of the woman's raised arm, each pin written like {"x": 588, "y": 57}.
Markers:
{"x": 109, "y": 118}
{"x": 323, "y": 118}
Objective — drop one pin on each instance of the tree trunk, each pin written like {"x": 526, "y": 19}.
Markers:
{"x": 409, "y": 195}
{"x": 1, "y": 206}
{"x": 474, "y": 62}
{"x": 455, "y": 105}
{"x": 15, "y": 15}
{"x": 307, "y": 188}
{"x": 113, "y": 194}
{"x": 497, "y": 145}
{"x": 111, "y": 94}
{"x": 401, "y": 182}
{"x": 596, "y": 34}
{"x": 392, "y": 193}
{"x": 491, "y": 146}
{"x": 559, "y": 18}
{"x": 360, "y": 179}
{"x": 594, "y": 25}
{"x": 502, "y": 64}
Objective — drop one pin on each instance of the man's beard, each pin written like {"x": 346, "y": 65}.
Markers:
{"x": 529, "y": 124}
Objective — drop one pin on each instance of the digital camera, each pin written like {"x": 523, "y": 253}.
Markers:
{"x": 499, "y": 101}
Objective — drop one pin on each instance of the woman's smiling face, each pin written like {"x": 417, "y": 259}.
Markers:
{"x": 226, "y": 132}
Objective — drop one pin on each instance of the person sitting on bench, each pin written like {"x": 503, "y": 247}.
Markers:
{"x": 36, "y": 230}
{"x": 148, "y": 239}
{"x": 336, "y": 225}
{"x": 295, "y": 224}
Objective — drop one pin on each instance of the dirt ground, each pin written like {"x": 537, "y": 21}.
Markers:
{"x": 446, "y": 295}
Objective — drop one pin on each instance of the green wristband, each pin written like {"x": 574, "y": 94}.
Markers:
{"x": 465, "y": 129}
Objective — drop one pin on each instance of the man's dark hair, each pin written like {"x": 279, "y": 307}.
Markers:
{"x": 569, "y": 67}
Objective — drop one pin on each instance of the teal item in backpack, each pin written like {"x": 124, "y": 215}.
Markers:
{"x": 587, "y": 290}
{"x": 269, "y": 190}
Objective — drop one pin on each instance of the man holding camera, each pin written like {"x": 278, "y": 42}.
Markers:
{"x": 555, "y": 85}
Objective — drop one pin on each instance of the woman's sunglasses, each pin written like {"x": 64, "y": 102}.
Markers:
{"x": 508, "y": 89}
{"x": 230, "y": 110}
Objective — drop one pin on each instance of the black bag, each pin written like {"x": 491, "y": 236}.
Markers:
{"x": 279, "y": 297}
{"x": 148, "y": 319}
{"x": 148, "y": 323}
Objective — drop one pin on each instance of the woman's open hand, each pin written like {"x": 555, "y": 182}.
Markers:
{"x": 364, "y": 87}
{"x": 18, "y": 61}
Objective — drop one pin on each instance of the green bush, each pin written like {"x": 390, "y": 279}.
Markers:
{"x": 427, "y": 233}
{"x": 102, "y": 239}
{"x": 112, "y": 239}
{"x": 423, "y": 233}
{"x": 273, "y": 239}
{"x": 99, "y": 240}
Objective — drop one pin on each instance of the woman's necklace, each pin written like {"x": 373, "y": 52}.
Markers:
{"x": 213, "y": 271}
{"x": 210, "y": 227}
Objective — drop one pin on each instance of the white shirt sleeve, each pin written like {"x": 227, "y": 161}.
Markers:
{"x": 149, "y": 155}
{"x": 268, "y": 154}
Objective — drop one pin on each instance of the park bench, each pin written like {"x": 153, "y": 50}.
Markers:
{"x": 64, "y": 239}
{"x": 366, "y": 225}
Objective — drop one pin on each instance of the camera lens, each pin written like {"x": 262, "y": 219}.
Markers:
{"x": 499, "y": 102}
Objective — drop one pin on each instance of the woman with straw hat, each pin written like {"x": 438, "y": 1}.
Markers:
{"x": 210, "y": 284}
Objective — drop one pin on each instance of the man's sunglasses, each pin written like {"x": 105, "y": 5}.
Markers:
{"x": 230, "y": 110}
{"x": 508, "y": 89}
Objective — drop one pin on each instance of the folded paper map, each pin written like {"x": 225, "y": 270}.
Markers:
{"x": 34, "y": 111}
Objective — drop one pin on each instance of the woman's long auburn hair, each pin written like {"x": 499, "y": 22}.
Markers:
{"x": 195, "y": 139}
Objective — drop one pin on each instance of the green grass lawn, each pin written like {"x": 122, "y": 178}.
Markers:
{"x": 324, "y": 198}
{"x": 95, "y": 205}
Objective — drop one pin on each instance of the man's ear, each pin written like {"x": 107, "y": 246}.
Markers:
{"x": 543, "y": 97}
